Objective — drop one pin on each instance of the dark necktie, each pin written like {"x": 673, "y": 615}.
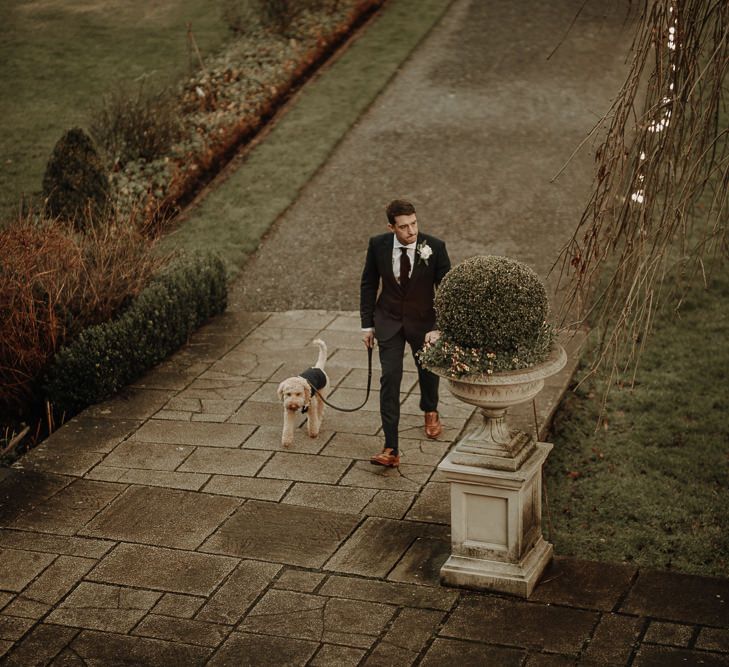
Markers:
{"x": 404, "y": 267}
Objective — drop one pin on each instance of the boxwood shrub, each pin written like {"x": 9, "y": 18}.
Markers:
{"x": 106, "y": 357}
{"x": 492, "y": 313}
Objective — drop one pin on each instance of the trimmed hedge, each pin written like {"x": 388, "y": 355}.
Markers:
{"x": 106, "y": 357}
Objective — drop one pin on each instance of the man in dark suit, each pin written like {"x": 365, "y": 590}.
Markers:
{"x": 406, "y": 267}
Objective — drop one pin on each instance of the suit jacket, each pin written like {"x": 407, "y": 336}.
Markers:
{"x": 410, "y": 308}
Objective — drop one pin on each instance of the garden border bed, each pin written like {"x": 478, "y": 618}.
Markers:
{"x": 199, "y": 170}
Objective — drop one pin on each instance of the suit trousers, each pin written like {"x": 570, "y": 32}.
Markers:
{"x": 392, "y": 352}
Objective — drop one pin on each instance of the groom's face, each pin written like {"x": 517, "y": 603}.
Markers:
{"x": 405, "y": 228}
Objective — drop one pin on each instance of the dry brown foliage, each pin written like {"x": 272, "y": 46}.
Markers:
{"x": 660, "y": 195}
{"x": 55, "y": 282}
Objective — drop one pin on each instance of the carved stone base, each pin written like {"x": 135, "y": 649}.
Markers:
{"x": 480, "y": 448}
{"x": 496, "y": 534}
{"x": 485, "y": 575}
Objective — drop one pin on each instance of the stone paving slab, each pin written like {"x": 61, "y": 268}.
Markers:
{"x": 178, "y": 606}
{"x": 433, "y": 504}
{"x": 18, "y": 568}
{"x": 106, "y": 648}
{"x": 23, "y": 607}
{"x": 21, "y": 490}
{"x": 407, "y": 477}
{"x": 163, "y": 517}
{"x": 70, "y": 509}
{"x": 670, "y": 634}
{"x": 248, "y": 487}
{"x": 407, "y": 635}
{"x": 158, "y": 569}
{"x": 42, "y": 644}
{"x": 318, "y": 618}
{"x": 392, "y": 538}
{"x": 131, "y": 404}
{"x": 13, "y": 628}
{"x": 305, "y": 467}
{"x": 443, "y": 651}
{"x": 57, "y": 579}
{"x": 164, "y": 478}
{"x": 666, "y": 656}
{"x": 578, "y": 583}
{"x": 405, "y": 595}
{"x": 149, "y": 456}
{"x": 239, "y": 592}
{"x": 269, "y": 437}
{"x": 299, "y": 580}
{"x": 613, "y": 639}
{"x": 104, "y": 607}
{"x": 225, "y": 462}
{"x": 661, "y": 594}
{"x": 516, "y": 623}
{"x": 249, "y": 649}
{"x": 421, "y": 563}
{"x": 329, "y": 497}
{"x": 186, "y": 631}
{"x": 281, "y": 533}
{"x": 713, "y": 639}
{"x": 390, "y": 504}
{"x": 202, "y": 435}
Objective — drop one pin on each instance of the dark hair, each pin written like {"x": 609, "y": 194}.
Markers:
{"x": 398, "y": 207}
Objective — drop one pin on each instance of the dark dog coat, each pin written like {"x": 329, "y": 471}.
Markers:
{"x": 315, "y": 377}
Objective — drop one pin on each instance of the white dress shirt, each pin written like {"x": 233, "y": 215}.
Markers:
{"x": 396, "y": 256}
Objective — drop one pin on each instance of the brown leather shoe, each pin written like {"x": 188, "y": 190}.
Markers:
{"x": 433, "y": 426}
{"x": 386, "y": 458}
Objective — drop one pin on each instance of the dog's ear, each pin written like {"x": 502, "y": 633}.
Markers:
{"x": 280, "y": 390}
{"x": 307, "y": 392}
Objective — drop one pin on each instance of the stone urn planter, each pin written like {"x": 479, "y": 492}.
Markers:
{"x": 493, "y": 444}
{"x": 495, "y": 352}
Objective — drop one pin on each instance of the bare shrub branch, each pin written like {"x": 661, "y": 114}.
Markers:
{"x": 660, "y": 193}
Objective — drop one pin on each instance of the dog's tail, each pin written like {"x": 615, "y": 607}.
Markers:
{"x": 322, "y": 360}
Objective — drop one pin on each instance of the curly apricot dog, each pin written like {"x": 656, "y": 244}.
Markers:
{"x": 305, "y": 392}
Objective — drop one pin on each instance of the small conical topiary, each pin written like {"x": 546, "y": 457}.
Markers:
{"x": 75, "y": 184}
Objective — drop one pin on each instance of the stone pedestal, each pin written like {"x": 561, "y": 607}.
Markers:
{"x": 496, "y": 532}
{"x": 496, "y": 485}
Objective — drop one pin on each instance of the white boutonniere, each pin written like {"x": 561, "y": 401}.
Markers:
{"x": 424, "y": 252}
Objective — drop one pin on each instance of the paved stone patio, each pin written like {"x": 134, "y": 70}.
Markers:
{"x": 169, "y": 527}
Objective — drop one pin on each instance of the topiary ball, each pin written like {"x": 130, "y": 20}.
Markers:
{"x": 492, "y": 303}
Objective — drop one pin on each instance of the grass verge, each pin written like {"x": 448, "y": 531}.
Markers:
{"x": 651, "y": 485}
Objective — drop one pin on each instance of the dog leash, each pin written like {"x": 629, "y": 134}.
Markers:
{"x": 367, "y": 396}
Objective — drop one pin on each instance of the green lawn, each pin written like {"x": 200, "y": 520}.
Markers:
{"x": 651, "y": 485}
{"x": 60, "y": 56}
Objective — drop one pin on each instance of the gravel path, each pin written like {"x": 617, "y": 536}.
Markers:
{"x": 472, "y": 129}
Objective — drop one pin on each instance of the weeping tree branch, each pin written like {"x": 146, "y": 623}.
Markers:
{"x": 660, "y": 192}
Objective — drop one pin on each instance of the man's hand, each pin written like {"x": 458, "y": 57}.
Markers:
{"x": 369, "y": 338}
{"x": 432, "y": 336}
